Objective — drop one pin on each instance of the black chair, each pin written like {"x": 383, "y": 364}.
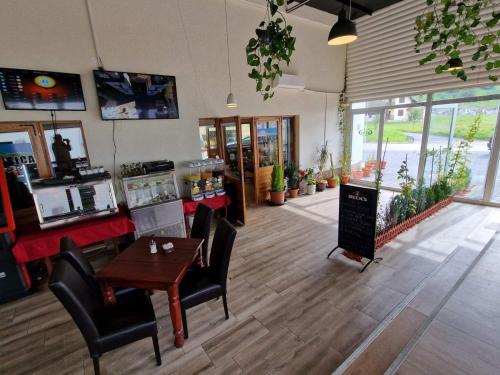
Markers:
{"x": 210, "y": 282}
{"x": 72, "y": 253}
{"x": 201, "y": 227}
{"x": 104, "y": 328}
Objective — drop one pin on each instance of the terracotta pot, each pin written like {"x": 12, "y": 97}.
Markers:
{"x": 344, "y": 179}
{"x": 332, "y": 182}
{"x": 277, "y": 197}
{"x": 293, "y": 193}
{"x": 383, "y": 164}
{"x": 367, "y": 171}
{"x": 356, "y": 175}
{"x": 320, "y": 186}
{"x": 311, "y": 189}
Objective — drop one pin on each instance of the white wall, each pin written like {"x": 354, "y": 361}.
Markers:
{"x": 185, "y": 38}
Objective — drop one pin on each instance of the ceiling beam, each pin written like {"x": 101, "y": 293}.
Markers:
{"x": 353, "y": 4}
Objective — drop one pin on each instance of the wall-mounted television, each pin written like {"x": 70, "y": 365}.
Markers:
{"x": 41, "y": 90}
{"x": 136, "y": 96}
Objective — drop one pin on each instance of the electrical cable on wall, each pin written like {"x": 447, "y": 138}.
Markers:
{"x": 92, "y": 32}
{"x": 324, "y": 127}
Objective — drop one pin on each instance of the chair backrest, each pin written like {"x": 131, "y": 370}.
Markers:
{"x": 73, "y": 254}
{"x": 201, "y": 227}
{"x": 74, "y": 293}
{"x": 220, "y": 255}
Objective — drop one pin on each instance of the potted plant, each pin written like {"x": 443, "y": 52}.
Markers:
{"x": 322, "y": 159}
{"x": 346, "y": 170}
{"x": 311, "y": 182}
{"x": 292, "y": 173}
{"x": 367, "y": 171}
{"x": 332, "y": 180}
{"x": 321, "y": 184}
{"x": 277, "y": 185}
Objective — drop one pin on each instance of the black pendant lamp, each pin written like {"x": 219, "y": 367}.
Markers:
{"x": 343, "y": 31}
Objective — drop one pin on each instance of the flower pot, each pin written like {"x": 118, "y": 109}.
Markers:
{"x": 332, "y": 182}
{"x": 344, "y": 179}
{"x": 277, "y": 197}
{"x": 367, "y": 171}
{"x": 371, "y": 163}
{"x": 320, "y": 186}
{"x": 293, "y": 193}
{"x": 311, "y": 189}
{"x": 356, "y": 175}
{"x": 383, "y": 164}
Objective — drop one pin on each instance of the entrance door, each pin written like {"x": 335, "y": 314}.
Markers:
{"x": 268, "y": 142}
{"x": 233, "y": 166}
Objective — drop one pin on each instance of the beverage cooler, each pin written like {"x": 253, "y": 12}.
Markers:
{"x": 155, "y": 204}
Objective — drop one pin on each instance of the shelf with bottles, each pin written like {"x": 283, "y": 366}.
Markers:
{"x": 144, "y": 190}
{"x": 205, "y": 179}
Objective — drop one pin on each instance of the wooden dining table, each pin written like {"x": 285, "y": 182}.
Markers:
{"x": 136, "y": 267}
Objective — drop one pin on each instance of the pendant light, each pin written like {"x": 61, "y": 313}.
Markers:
{"x": 455, "y": 64}
{"x": 231, "y": 101}
{"x": 344, "y": 30}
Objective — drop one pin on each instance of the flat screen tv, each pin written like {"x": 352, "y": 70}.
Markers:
{"x": 136, "y": 96}
{"x": 41, "y": 90}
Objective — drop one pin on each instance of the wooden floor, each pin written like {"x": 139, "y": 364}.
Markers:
{"x": 292, "y": 311}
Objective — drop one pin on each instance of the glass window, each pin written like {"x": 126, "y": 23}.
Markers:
{"x": 449, "y": 125}
{"x": 246, "y": 145}
{"x": 390, "y": 101}
{"x": 267, "y": 141}
{"x": 286, "y": 131}
{"x": 470, "y": 92}
{"x": 208, "y": 141}
{"x": 229, "y": 138}
{"x": 364, "y": 144}
{"x": 403, "y": 134}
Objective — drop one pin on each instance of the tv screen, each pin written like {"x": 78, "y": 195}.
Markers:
{"x": 136, "y": 96}
{"x": 41, "y": 90}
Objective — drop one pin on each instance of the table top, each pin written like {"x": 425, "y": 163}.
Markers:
{"x": 136, "y": 267}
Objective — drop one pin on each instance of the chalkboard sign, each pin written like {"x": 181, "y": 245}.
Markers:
{"x": 358, "y": 220}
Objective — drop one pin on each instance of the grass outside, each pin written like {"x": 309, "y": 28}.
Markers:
{"x": 440, "y": 126}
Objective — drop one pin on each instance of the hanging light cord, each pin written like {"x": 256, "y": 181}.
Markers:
{"x": 326, "y": 108}
{"x": 350, "y": 9}
{"x": 227, "y": 45}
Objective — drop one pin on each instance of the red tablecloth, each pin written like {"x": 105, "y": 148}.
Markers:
{"x": 216, "y": 202}
{"x": 43, "y": 243}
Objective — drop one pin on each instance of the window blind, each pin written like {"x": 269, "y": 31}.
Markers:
{"x": 382, "y": 63}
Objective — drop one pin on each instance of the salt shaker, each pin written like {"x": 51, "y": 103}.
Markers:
{"x": 152, "y": 247}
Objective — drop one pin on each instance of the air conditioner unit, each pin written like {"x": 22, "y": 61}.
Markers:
{"x": 289, "y": 81}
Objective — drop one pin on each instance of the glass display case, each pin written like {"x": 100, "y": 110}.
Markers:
{"x": 205, "y": 179}
{"x": 150, "y": 189}
{"x": 65, "y": 203}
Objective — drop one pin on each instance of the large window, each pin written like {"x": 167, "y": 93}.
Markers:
{"x": 406, "y": 129}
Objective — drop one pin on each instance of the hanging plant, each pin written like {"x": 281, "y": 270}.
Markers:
{"x": 272, "y": 45}
{"x": 450, "y": 26}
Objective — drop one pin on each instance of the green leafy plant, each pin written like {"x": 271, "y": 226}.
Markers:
{"x": 322, "y": 158}
{"x": 450, "y": 26}
{"x": 459, "y": 173}
{"x": 272, "y": 45}
{"x": 332, "y": 167}
{"x": 310, "y": 178}
{"x": 292, "y": 173}
{"x": 277, "y": 179}
{"x": 407, "y": 184}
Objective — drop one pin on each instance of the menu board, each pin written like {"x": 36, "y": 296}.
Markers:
{"x": 357, "y": 220}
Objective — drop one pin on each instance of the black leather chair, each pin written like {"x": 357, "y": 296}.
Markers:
{"x": 104, "y": 328}
{"x": 201, "y": 227}
{"x": 72, "y": 253}
{"x": 208, "y": 283}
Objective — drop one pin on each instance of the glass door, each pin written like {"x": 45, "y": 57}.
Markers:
{"x": 364, "y": 148}
{"x": 268, "y": 139}
{"x": 233, "y": 166}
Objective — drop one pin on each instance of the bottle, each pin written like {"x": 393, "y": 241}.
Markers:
{"x": 152, "y": 247}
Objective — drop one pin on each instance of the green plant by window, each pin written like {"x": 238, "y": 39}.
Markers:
{"x": 449, "y": 27}
{"x": 292, "y": 173}
{"x": 310, "y": 178}
{"x": 407, "y": 184}
{"x": 322, "y": 158}
{"x": 459, "y": 174}
{"x": 272, "y": 45}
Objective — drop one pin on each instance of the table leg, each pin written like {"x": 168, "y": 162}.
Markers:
{"x": 175, "y": 314}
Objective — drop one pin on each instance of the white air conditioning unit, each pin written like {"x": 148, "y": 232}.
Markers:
{"x": 289, "y": 81}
